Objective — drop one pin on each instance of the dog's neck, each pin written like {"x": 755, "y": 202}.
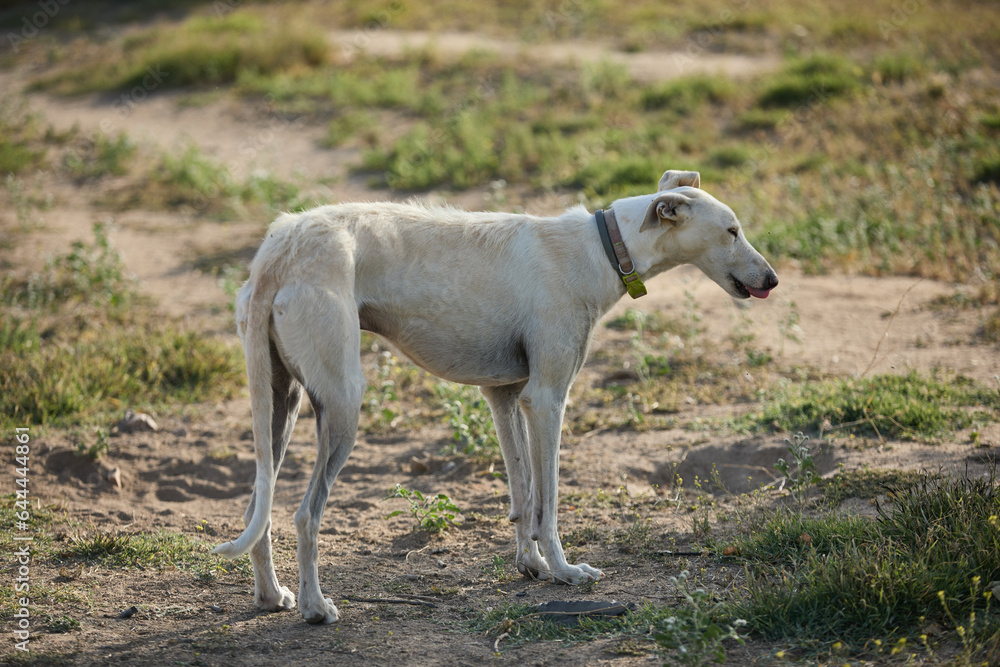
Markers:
{"x": 649, "y": 259}
{"x": 617, "y": 252}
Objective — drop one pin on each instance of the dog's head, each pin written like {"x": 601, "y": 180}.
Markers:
{"x": 689, "y": 226}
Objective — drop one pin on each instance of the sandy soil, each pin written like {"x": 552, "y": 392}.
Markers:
{"x": 194, "y": 474}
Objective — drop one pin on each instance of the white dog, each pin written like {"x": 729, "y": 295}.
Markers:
{"x": 507, "y": 302}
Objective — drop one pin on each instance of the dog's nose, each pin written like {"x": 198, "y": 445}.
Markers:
{"x": 770, "y": 281}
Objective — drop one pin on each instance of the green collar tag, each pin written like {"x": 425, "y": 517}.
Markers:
{"x": 633, "y": 285}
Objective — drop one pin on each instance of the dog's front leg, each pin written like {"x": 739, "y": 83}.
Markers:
{"x": 543, "y": 408}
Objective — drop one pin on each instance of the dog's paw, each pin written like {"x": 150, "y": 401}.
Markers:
{"x": 282, "y": 600}
{"x": 531, "y": 572}
{"x": 576, "y": 574}
{"x": 323, "y": 613}
{"x": 533, "y": 566}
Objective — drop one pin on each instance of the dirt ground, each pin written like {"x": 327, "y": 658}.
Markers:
{"x": 194, "y": 475}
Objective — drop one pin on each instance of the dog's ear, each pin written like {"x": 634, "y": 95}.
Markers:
{"x": 674, "y": 179}
{"x": 669, "y": 207}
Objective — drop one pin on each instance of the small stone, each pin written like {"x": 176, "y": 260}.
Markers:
{"x": 137, "y": 422}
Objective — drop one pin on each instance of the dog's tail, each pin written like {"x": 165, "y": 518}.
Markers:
{"x": 257, "y": 350}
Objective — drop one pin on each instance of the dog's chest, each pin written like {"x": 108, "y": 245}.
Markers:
{"x": 483, "y": 353}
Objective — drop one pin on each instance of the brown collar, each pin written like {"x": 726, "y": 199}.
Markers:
{"x": 614, "y": 246}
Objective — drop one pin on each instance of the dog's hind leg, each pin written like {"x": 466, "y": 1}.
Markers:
{"x": 321, "y": 337}
{"x": 287, "y": 397}
{"x": 512, "y": 431}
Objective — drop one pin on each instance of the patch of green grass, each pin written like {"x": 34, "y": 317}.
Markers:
{"x": 908, "y": 406}
{"x": 898, "y": 67}
{"x": 991, "y": 327}
{"x": 101, "y": 157}
{"x": 151, "y": 550}
{"x": 191, "y": 180}
{"x": 811, "y": 80}
{"x": 13, "y": 510}
{"x": 79, "y": 344}
{"x": 347, "y": 125}
{"x": 20, "y": 131}
{"x": 987, "y": 170}
{"x": 687, "y": 95}
{"x": 729, "y": 157}
{"x": 141, "y": 366}
{"x": 779, "y": 537}
{"x": 918, "y": 563}
{"x": 62, "y": 624}
{"x": 17, "y": 156}
{"x": 199, "y": 51}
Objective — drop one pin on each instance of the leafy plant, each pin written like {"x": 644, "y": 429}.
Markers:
{"x": 801, "y": 474}
{"x": 497, "y": 569}
{"x": 92, "y": 273}
{"x": 435, "y": 514}
{"x": 100, "y": 447}
{"x": 691, "y": 636}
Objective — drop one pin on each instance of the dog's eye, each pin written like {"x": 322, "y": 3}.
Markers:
{"x": 735, "y": 232}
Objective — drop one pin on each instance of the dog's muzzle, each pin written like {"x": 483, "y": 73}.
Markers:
{"x": 746, "y": 291}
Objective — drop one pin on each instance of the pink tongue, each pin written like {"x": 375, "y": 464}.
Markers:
{"x": 759, "y": 293}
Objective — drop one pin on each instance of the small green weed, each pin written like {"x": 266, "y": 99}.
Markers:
{"x": 691, "y": 636}
{"x": 801, "y": 474}
{"x": 91, "y": 273}
{"x": 62, "y": 624}
{"x": 435, "y": 514}
{"x": 497, "y": 570}
{"x": 100, "y": 446}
